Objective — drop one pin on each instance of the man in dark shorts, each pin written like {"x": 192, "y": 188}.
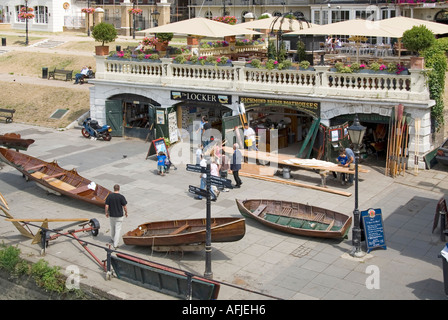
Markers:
{"x": 115, "y": 205}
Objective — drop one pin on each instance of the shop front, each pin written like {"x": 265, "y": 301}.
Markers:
{"x": 131, "y": 115}
{"x": 192, "y": 107}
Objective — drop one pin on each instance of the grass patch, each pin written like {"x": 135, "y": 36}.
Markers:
{"x": 31, "y": 64}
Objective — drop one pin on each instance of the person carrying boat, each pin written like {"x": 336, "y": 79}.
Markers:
{"x": 115, "y": 205}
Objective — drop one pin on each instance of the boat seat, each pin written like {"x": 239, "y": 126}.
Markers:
{"x": 180, "y": 229}
{"x": 36, "y": 167}
{"x": 57, "y": 175}
{"x": 259, "y": 210}
{"x": 54, "y": 182}
{"x": 80, "y": 189}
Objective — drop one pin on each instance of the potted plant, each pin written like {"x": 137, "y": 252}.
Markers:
{"x": 418, "y": 39}
{"x": 304, "y": 65}
{"x": 162, "y": 41}
{"x": 104, "y": 33}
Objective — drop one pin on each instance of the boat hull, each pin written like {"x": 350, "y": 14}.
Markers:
{"x": 51, "y": 176}
{"x": 14, "y": 141}
{"x": 185, "y": 232}
{"x": 296, "y": 218}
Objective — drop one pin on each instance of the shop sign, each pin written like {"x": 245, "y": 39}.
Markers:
{"x": 372, "y": 223}
{"x": 310, "y": 107}
{"x": 201, "y": 97}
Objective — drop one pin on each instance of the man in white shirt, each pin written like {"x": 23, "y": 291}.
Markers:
{"x": 249, "y": 137}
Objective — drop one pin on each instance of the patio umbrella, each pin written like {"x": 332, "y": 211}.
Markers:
{"x": 356, "y": 27}
{"x": 276, "y": 23}
{"x": 399, "y": 25}
{"x": 201, "y": 27}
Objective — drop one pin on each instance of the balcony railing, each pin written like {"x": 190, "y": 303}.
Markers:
{"x": 240, "y": 78}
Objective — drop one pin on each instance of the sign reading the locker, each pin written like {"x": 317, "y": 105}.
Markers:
{"x": 310, "y": 107}
{"x": 201, "y": 97}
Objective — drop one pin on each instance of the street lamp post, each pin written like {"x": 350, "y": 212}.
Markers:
{"x": 208, "y": 237}
{"x": 26, "y": 24}
{"x": 133, "y": 20}
{"x": 155, "y": 15}
{"x": 356, "y": 132}
{"x": 88, "y": 19}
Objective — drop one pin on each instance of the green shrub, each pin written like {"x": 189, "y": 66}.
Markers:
{"x": 418, "y": 39}
{"x": 104, "y": 32}
{"x": 256, "y": 63}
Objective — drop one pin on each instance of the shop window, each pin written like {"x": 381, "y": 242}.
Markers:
{"x": 137, "y": 115}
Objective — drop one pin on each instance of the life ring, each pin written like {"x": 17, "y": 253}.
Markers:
{"x": 66, "y": 5}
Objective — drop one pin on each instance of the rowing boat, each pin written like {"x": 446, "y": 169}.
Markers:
{"x": 185, "y": 232}
{"x": 296, "y": 218}
{"x": 53, "y": 178}
{"x": 15, "y": 141}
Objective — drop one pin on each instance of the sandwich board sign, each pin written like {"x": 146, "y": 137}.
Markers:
{"x": 372, "y": 223}
{"x": 156, "y": 146}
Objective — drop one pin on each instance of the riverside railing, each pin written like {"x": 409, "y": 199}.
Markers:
{"x": 239, "y": 77}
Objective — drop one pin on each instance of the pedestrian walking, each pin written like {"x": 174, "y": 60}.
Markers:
{"x": 161, "y": 158}
{"x": 115, "y": 205}
{"x": 235, "y": 165}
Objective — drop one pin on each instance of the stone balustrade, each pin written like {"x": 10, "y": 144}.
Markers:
{"x": 241, "y": 78}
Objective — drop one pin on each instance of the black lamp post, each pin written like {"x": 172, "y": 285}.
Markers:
{"x": 88, "y": 19}
{"x": 155, "y": 15}
{"x": 356, "y": 132}
{"x": 26, "y": 23}
{"x": 133, "y": 19}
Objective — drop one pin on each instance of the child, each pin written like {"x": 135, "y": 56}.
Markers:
{"x": 161, "y": 163}
{"x": 342, "y": 159}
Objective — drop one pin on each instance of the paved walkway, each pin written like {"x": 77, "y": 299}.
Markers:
{"x": 265, "y": 261}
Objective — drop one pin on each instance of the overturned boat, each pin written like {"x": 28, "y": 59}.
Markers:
{"x": 15, "y": 141}
{"x": 53, "y": 178}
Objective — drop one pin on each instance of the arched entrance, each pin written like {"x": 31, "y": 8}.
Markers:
{"x": 132, "y": 115}
{"x": 374, "y": 148}
{"x": 297, "y": 124}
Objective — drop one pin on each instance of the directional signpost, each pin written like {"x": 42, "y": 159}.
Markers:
{"x": 208, "y": 229}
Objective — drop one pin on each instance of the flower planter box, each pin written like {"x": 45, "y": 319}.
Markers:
{"x": 192, "y": 41}
{"x": 102, "y": 50}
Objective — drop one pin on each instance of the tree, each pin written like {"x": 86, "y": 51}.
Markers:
{"x": 104, "y": 32}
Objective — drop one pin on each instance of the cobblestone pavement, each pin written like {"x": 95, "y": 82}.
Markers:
{"x": 265, "y": 264}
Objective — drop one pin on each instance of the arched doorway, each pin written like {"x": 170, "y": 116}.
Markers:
{"x": 132, "y": 115}
{"x": 441, "y": 17}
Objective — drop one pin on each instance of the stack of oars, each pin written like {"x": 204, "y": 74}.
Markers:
{"x": 397, "y": 145}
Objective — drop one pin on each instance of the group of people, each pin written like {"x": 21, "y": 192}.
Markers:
{"x": 332, "y": 44}
{"x": 219, "y": 166}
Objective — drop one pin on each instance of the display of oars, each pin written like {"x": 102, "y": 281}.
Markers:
{"x": 416, "y": 144}
{"x": 397, "y": 142}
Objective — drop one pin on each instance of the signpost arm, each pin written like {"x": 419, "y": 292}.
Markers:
{"x": 208, "y": 238}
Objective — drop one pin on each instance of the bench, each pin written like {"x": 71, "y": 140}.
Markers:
{"x": 8, "y": 114}
{"x": 61, "y": 72}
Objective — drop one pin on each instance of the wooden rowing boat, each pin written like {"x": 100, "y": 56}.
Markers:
{"x": 296, "y": 218}
{"x": 185, "y": 232}
{"x": 53, "y": 178}
{"x": 15, "y": 141}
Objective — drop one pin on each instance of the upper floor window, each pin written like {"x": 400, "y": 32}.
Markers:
{"x": 41, "y": 14}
